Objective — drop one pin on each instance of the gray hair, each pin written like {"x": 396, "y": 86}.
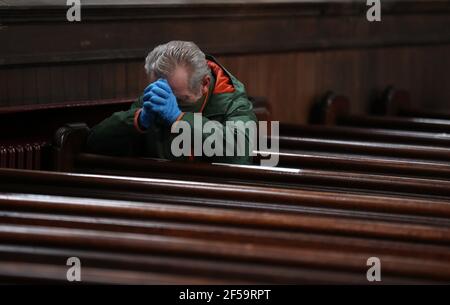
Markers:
{"x": 163, "y": 60}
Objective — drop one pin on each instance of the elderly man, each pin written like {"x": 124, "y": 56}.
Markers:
{"x": 184, "y": 83}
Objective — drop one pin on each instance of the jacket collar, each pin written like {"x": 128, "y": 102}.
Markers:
{"x": 224, "y": 72}
{"x": 221, "y": 82}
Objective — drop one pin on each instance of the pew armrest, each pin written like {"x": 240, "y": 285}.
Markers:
{"x": 68, "y": 141}
{"x": 328, "y": 109}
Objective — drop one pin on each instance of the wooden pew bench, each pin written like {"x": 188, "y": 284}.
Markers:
{"x": 249, "y": 230}
{"x": 365, "y": 134}
{"x": 346, "y": 181}
{"x": 304, "y": 245}
{"x": 387, "y": 218}
{"x": 397, "y": 102}
{"x": 405, "y": 151}
{"x": 70, "y": 139}
{"x": 167, "y": 191}
{"x": 335, "y": 110}
{"x": 22, "y": 145}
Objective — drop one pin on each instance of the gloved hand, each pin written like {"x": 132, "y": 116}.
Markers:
{"x": 159, "y": 98}
{"x": 146, "y": 117}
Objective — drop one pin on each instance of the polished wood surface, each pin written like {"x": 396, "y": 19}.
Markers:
{"x": 253, "y": 175}
{"x": 296, "y": 224}
{"x": 32, "y": 223}
{"x": 381, "y": 134}
{"x": 207, "y": 193}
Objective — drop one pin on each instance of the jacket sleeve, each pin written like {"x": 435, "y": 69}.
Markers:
{"x": 240, "y": 112}
{"x": 117, "y": 135}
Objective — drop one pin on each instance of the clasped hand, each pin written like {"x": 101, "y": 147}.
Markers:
{"x": 159, "y": 100}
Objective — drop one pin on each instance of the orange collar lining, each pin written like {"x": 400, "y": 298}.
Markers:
{"x": 223, "y": 82}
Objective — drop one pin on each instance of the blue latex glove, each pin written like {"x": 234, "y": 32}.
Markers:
{"x": 161, "y": 100}
{"x": 146, "y": 117}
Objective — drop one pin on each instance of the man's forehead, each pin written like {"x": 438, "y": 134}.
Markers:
{"x": 178, "y": 80}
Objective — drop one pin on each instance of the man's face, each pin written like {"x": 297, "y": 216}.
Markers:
{"x": 179, "y": 82}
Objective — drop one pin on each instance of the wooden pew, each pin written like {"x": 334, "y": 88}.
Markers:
{"x": 69, "y": 142}
{"x": 26, "y": 220}
{"x": 167, "y": 191}
{"x": 433, "y": 187}
{"x": 68, "y": 149}
{"x": 226, "y": 251}
{"x": 254, "y": 175}
{"x": 397, "y": 102}
{"x": 335, "y": 109}
{"x": 406, "y": 151}
{"x": 364, "y": 134}
{"x": 54, "y": 234}
{"x": 286, "y": 255}
{"x": 228, "y": 273}
{"x": 220, "y": 231}
{"x": 25, "y": 147}
{"x": 364, "y": 163}
{"x": 412, "y": 228}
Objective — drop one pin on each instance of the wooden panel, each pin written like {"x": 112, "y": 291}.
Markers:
{"x": 109, "y": 33}
{"x": 29, "y": 87}
{"x": 291, "y": 53}
{"x": 14, "y": 81}
{"x": 43, "y": 78}
{"x": 291, "y": 81}
{"x": 3, "y": 87}
{"x": 133, "y": 78}
{"x": 108, "y": 83}
{"x": 120, "y": 76}
{"x": 75, "y": 83}
{"x": 95, "y": 80}
{"x": 57, "y": 84}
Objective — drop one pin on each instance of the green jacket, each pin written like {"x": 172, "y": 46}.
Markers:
{"x": 120, "y": 135}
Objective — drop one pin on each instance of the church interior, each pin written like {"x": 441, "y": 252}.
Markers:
{"x": 361, "y": 191}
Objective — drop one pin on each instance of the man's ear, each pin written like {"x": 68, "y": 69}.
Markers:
{"x": 205, "y": 84}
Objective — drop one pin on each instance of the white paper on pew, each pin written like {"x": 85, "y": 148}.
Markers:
{"x": 269, "y": 168}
